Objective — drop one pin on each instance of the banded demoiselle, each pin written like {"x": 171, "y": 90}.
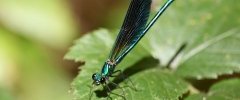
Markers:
{"x": 133, "y": 29}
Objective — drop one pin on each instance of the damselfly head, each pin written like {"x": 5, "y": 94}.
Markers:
{"x": 98, "y": 79}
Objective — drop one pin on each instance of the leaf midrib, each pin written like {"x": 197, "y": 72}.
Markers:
{"x": 208, "y": 43}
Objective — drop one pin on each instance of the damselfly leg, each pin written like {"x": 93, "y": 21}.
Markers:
{"x": 110, "y": 91}
{"x": 123, "y": 77}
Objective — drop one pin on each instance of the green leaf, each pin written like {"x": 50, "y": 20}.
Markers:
{"x": 215, "y": 57}
{"x": 192, "y": 22}
{"x": 169, "y": 86}
{"x": 196, "y": 97}
{"x": 213, "y": 46}
{"x": 157, "y": 84}
{"x": 224, "y": 90}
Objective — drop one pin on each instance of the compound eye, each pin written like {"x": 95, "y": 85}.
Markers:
{"x": 94, "y": 76}
{"x": 102, "y": 80}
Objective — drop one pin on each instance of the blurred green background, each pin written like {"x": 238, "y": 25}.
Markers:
{"x": 34, "y": 37}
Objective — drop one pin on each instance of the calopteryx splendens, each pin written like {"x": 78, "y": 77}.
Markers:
{"x": 133, "y": 29}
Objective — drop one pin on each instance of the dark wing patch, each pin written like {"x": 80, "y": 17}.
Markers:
{"x": 133, "y": 25}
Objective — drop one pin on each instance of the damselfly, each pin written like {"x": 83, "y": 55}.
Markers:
{"x": 133, "y": 29}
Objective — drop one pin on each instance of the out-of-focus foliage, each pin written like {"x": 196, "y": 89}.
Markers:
{"x": 5, "y": 94}
{"x": 210, "y": 29}
{"x": 28, "y": 70}
{"x": 30, "y": 33}
{"x": 47, "y": 21}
